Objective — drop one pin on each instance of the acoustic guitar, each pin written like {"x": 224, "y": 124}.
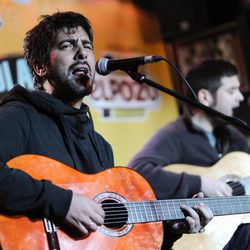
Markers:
{"x": 234, "y": 169}
{"x": 132, "y": 215}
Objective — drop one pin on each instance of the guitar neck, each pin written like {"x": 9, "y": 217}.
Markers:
{"x": 164, "y": 210}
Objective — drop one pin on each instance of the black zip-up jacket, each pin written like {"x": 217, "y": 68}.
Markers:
{"x": 38, "y": 123}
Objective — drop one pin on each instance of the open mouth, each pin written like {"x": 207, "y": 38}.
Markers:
{"x": 80, "y": 71}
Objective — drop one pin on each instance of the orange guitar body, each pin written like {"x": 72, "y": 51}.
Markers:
{"x": 20, "y": 233}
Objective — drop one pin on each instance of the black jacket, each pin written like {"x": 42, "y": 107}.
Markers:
{"x": 38, "y": 123}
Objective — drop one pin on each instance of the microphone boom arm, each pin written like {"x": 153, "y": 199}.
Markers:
{"x": 141, "y": 78}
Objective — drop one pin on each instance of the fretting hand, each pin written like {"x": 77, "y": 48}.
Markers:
{"x": 196, "y": 218}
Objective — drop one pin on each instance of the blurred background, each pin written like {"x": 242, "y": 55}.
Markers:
{"x": 185, "y": 32}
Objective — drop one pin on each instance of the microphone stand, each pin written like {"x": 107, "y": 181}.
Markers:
{"x": 141, "y": 78}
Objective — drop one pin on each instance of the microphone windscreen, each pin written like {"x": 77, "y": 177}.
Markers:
{"x": 101, "y": 66}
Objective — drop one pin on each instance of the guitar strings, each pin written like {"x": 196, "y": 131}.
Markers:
{"x": 121, "y": 212}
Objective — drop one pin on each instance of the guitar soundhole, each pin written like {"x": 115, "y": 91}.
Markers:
{"x": 237, "y": 187}
{"x": 116, "y": 214}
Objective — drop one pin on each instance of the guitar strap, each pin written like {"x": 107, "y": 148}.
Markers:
{"x": 51, "y": 234}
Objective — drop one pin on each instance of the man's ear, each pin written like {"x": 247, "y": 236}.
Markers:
{"x": 40, "y": 70}
{"x": 205, "y": 97}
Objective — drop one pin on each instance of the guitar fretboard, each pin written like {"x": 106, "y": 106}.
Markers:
{"x": 163, "y": 210}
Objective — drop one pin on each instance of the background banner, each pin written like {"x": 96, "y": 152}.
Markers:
{"x": 125, "y": 113}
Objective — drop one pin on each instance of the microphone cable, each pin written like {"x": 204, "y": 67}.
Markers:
{"x": 181, "y": 76}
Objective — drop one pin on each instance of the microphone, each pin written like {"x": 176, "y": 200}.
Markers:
{"x": 104, "y": 66}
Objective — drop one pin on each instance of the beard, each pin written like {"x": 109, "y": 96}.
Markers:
{"x": 70, "y": 87}
{"x": 216, "y": 120}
